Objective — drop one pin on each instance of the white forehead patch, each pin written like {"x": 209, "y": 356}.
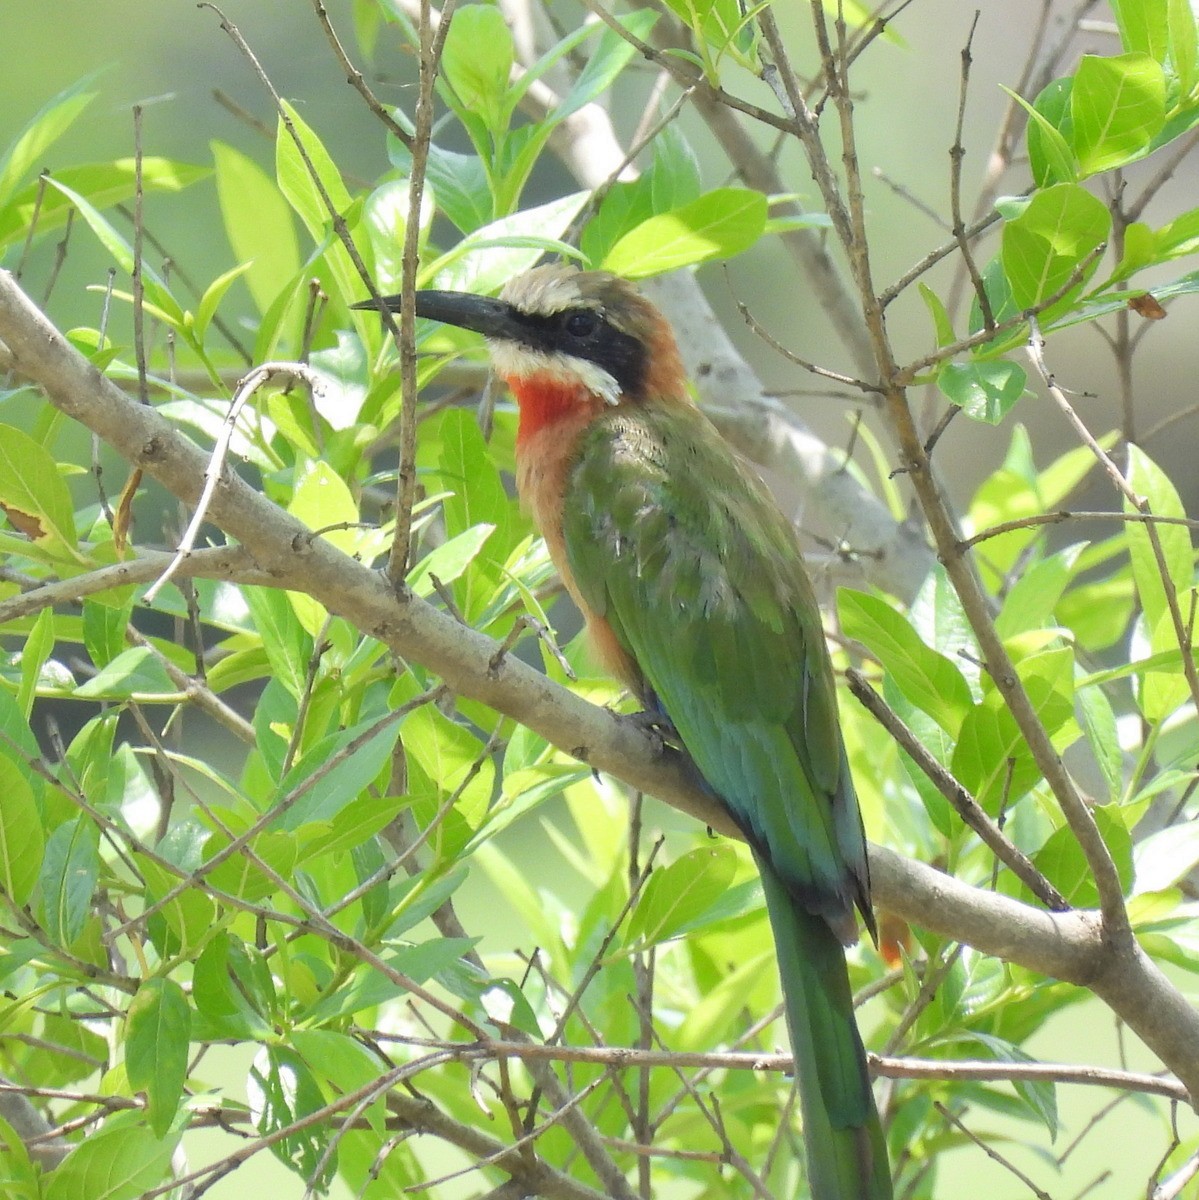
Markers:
{"x": 514, "y": 361}
{"x": 543, "y": 290}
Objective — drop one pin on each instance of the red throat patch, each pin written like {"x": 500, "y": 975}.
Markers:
{"x": 546, "y": 400}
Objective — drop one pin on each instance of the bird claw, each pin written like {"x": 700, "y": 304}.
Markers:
{"x": 657, "y": 726}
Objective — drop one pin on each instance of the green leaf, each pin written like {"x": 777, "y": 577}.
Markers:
{"x": 984, "y": 390}
{"x": 321, "y": 498}
{"x": 68, "y": 879}
{"x": 39, "y": 645}
{"x": 117, "y": 1162}
{"x": 1180, "y": 18}
{"x": 1063, "y": 863}
{"x": 486, "y": 259}
{"x": 1143, "y": 27}
{"x": 449, "y": 560}
{"x": 1046, "y": 243}
{"x": 21, "y": 839}
{"x": 477, "y": 63}
{"x": 928, "y": 679}
{"x": 991, "y": 758}
{"x": 1151, "y": 483}
{"x": 1099, "y": 725}
{"x": 942, "y": 325}
{"x": 157, "y": 292}
{"x": 157, "y": 1038}
{"x": 104, "y": 630}
{"x": 225, "y": 993}
{"x": 214, "y": 293}
{"x": 1031, "y": 600}
{"x": 611, "y": 54}
{"x": 242, "y": 873}
{"x": 355, "y": 824}
{"x": 1163, "y": 690}
{"x": 27, "y": 151}
{"x": 1118, "y": 105}
{"x": 34, "y": 496}
{"x": 385, "y": 218}
{"x": 453, "y": 759}
{"x": 102, "y": 184}
{"x": 477, "y": 498}
{"x": 674, "y": 177}
{"x": 1165, "y": 857}
{"x": 718, "y": 225}
{"x": 288, "y": 646}
{"x": 938, "y": 743}
{"x": 1051, "y": 157}
{"x": 345, "y": 1063}
{"x": 678, "y": 896}
{"x": 190, "y": 916}
{"x": 330, "y": 774}
{"x": 134, "y": 672}
{"x": 281, "y": 1092}
{"x": 460, "y": 183}
{"x": 258, "y": 224}
{"x": 295, "y": 176}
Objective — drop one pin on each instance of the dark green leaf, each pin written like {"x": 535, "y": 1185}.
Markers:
{"x": 288, "y": 647}
{"x": 282, "y": 1091}
{"x": 1052, "y": 159}
{"x": 223, "y": 995}
{"x": 68, "y": 879}
{"x": 104, "y": 629}
{"x": 612, "y": 53}
{"x": 334, "y": 772}
{"x": 1050, "y": 135}
{"x": 678, "y": 896}
{"x": 39, "y": 645}
{"x": 157, "y": 1038}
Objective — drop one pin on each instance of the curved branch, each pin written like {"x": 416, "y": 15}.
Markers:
{"x": 1067, "y": 946}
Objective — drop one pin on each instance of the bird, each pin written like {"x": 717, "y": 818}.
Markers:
{"x": 692, "y": 585}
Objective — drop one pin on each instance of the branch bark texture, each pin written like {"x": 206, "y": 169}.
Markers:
{"x": 1068, "y": 946}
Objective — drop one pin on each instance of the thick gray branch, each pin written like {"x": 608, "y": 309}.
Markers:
{"x": 1067, "y": 946}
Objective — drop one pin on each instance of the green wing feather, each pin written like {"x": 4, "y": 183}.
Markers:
{"x": 681, "y": 549}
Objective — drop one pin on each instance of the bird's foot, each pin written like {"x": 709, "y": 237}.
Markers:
{"x": 656, "y": 725}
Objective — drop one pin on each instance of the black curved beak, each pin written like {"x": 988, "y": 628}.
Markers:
{"x": 491, "y": 318}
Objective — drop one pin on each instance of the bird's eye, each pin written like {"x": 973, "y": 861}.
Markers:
{"x": 581, "y": 323}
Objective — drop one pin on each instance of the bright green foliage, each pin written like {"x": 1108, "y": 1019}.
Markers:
{"x": 378, "y": 863}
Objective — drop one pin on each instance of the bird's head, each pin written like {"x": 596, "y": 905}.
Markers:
{"x": 586, "y": 333}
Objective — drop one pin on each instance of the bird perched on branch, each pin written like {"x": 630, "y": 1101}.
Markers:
{"x": 695, "y": 596}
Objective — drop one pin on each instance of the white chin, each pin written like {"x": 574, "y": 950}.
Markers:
{"x": 515, "y": 362}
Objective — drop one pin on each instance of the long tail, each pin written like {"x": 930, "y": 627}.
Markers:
{"x": 847, "y": 1157}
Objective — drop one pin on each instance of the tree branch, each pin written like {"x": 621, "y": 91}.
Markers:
{"x": 1067, "y": 946}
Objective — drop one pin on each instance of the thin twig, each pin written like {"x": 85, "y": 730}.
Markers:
{"x": 257, "y": 378}
{"x": 962, "y": 801}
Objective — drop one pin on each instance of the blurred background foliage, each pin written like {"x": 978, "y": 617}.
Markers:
{"x": 553, "y": 895}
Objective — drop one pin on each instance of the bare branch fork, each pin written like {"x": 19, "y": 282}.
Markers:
{"x": 1069, "y": 946}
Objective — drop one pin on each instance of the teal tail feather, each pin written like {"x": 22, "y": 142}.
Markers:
{"x": 847, "y": 1156}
